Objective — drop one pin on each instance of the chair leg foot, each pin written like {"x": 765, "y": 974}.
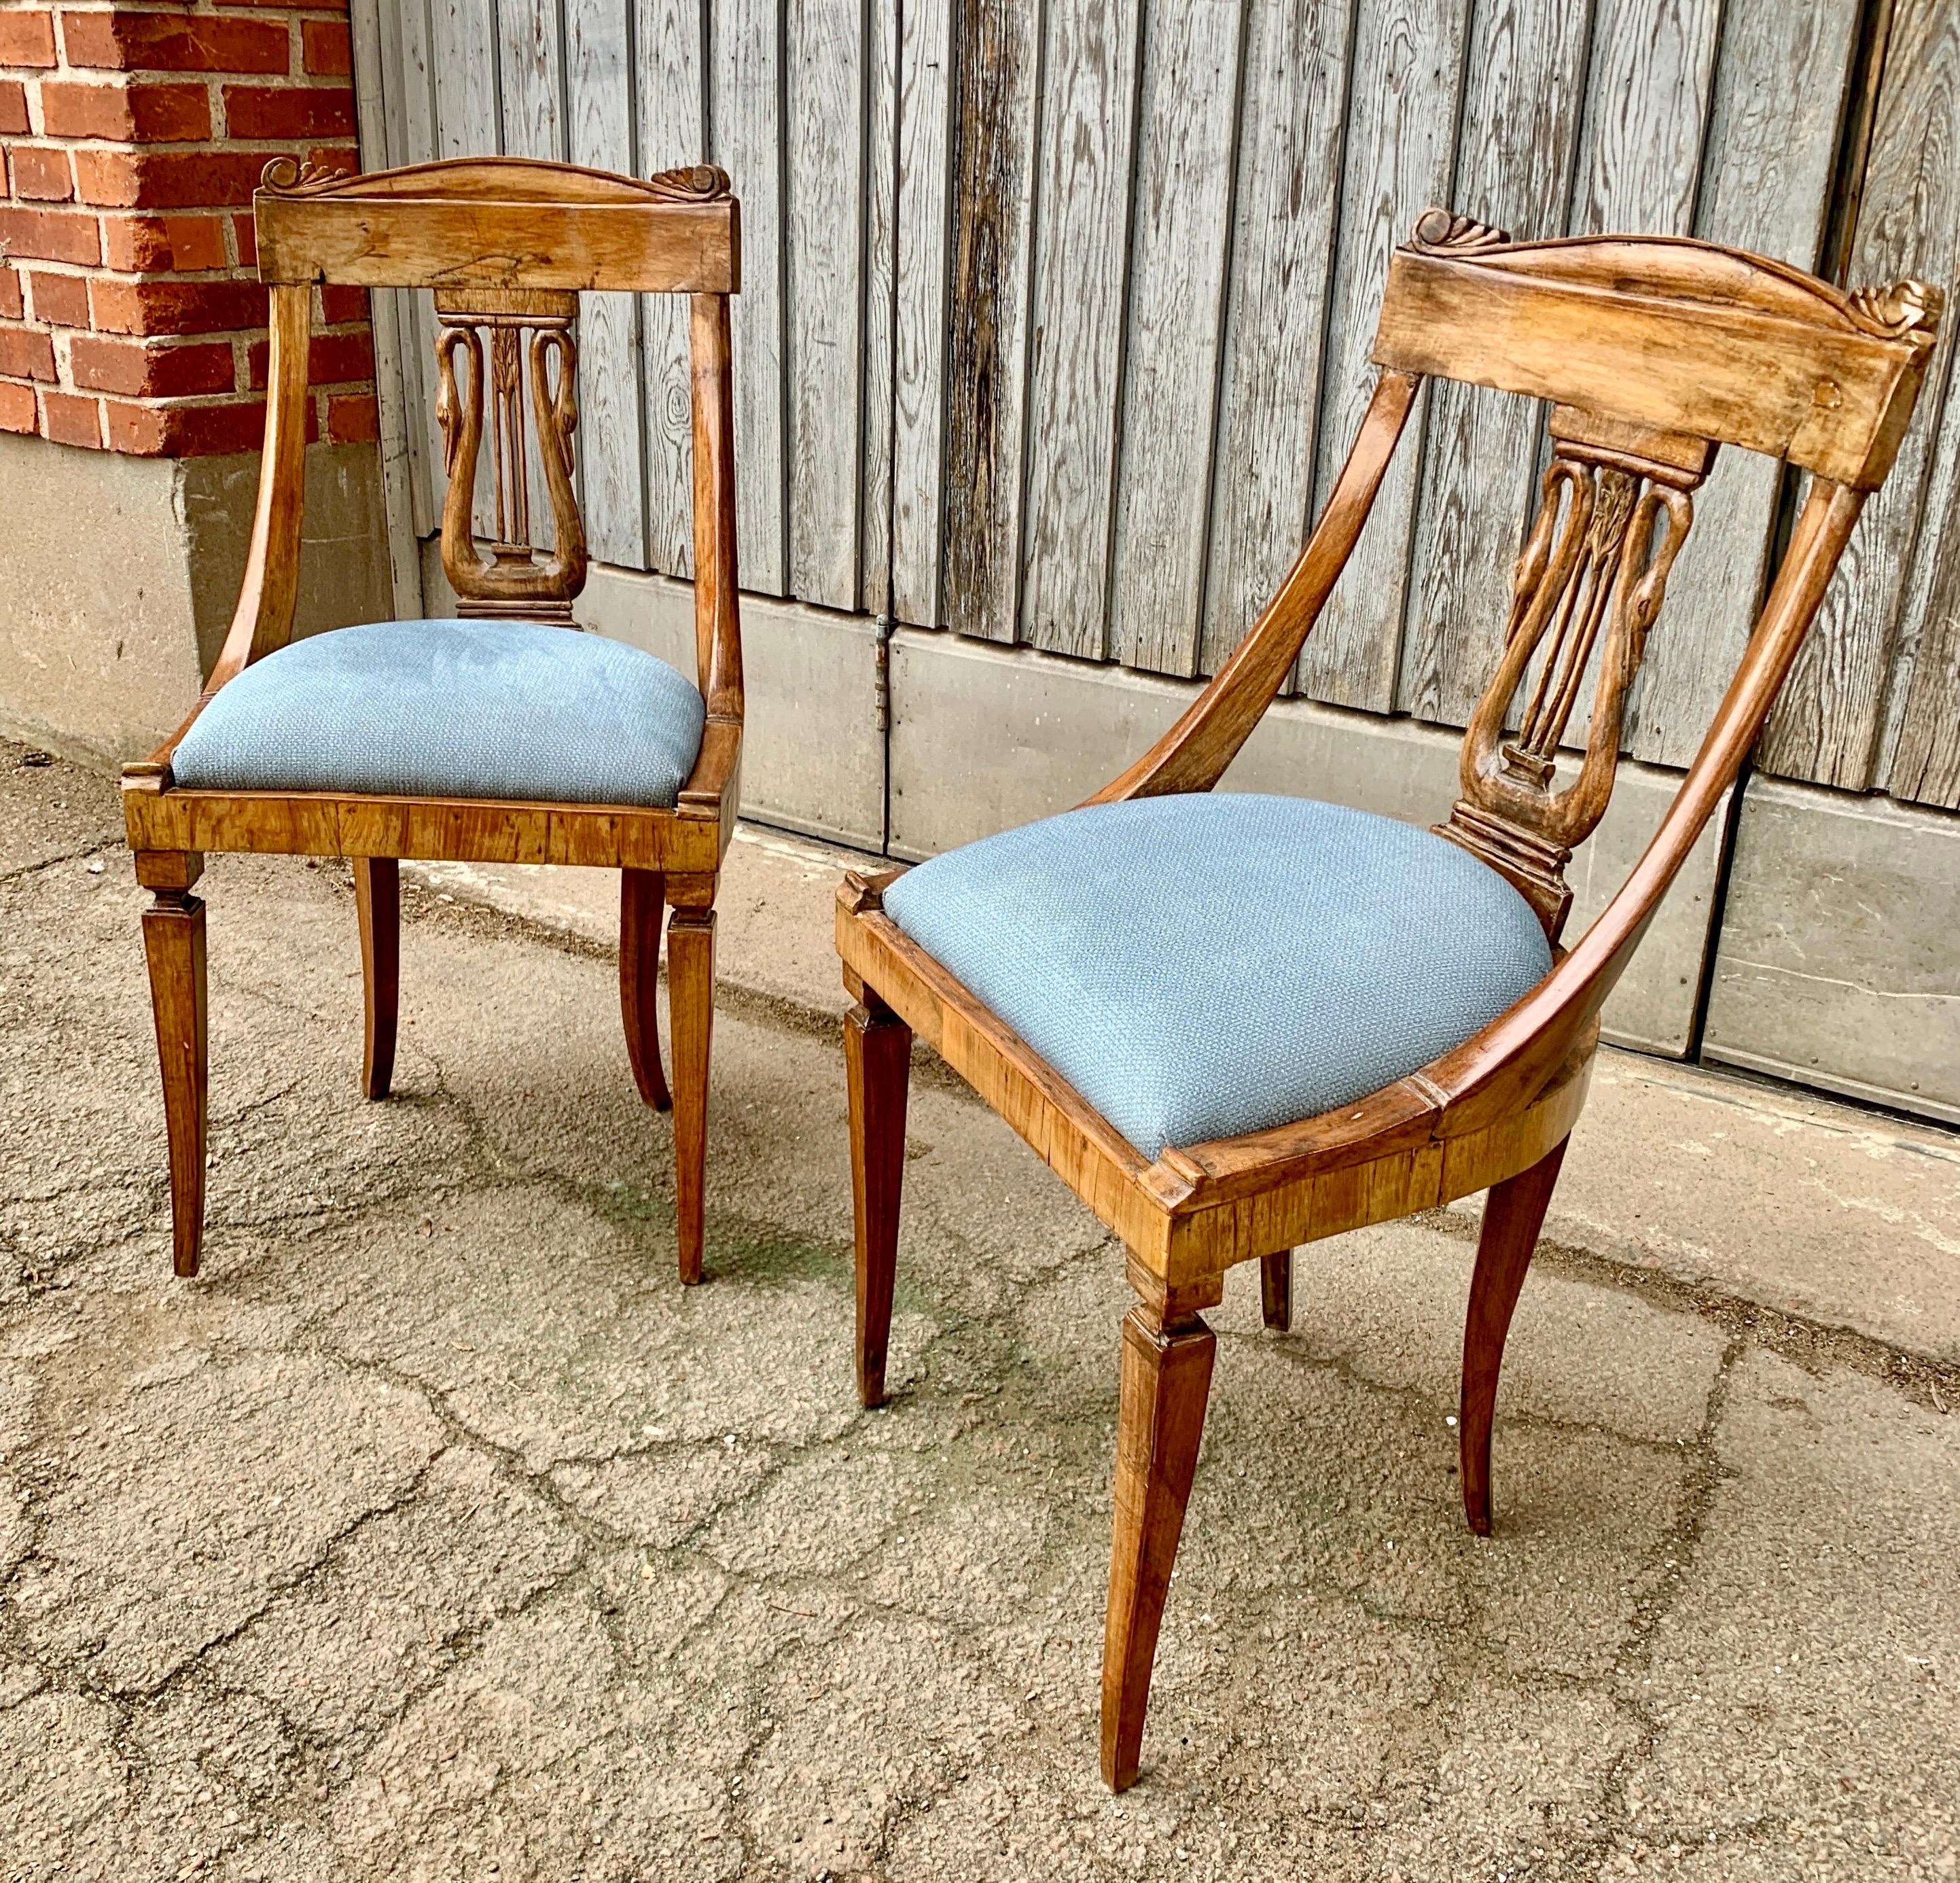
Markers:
{"x": 877, "y": 1061}
{"x": 691, "y": 994}
{"x": 1166, "y": 1379}
{"x": 1513, "y": 1214}
{"x": 1276, "y": 1290}
{"x": 173, "y": 942}
{"x": 641, "y": 908}
{"x": 378, "y": 902}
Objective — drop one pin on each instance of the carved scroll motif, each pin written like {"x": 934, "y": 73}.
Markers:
{"x": 509, "y": 576}
{"x": 1891, "y": 313}
{"x": 1439, "y": 232}
{"x": 692, "y": 182}
{"x": 1591, "y": 577}
{"x": 291, "y": 177}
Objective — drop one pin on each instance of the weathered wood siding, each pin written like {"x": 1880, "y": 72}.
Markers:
{"x": 1056, "y": 313}
{"x": 1875, "y": 699}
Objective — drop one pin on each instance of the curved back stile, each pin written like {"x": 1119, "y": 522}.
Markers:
{"x": 1654, "y": 353}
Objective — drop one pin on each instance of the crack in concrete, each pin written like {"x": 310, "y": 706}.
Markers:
{"x": 21, "y": 872}
{"x": 280, "y": 1584}
{"x": 458, "y": 1648}
{"x": 1670, "y": 1563}
{"x": 992, "y": 1337}
{"x": 1808, "y": 1343}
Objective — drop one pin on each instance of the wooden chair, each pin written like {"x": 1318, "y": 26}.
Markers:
{"x": 1652, "y": 352}
{"x": 506, "y": 737}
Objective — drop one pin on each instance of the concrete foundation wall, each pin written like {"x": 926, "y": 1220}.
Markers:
{"x": 1840, "y": 957}
{"x": 121, "y": 574}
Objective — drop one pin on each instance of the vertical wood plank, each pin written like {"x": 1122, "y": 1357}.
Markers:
{"x": 1649, "y": 87}
{"x": 463, "y": 42}
{"x": 670, "y": 65}
{"x": 1187, "y": 138}
{"x": 1926, "y": 766}
{"x": 1646, "y": 107}
{"x": 825, "y": 92}
{"x": 599, "y": 87}
{"x": 881, "y": 239}
{"x": 1778, "y": 101}
{"x": 925, "y": 240}
{"x": 530, "y": 78}
{"x": 414, "y": 309}
{"x": 1521, "y": 119}
{"x": 1405, "y": 104}
{"x": 1081, "y": 243}
{"x": 531, "y": 86}
{"x": 1296, "y": 88}
{"x": 746, "y": 126}
{"x": 463, "y": 35}
{"x": 380, "y": 72}
{"x": 1923, "y": 762}
{"x": 1829, "y": 725}
{"x": 997, "y": 62}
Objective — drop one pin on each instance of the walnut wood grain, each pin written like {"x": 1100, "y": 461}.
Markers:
{"x": 1192, "y": 756}
{"x": 1656, "y": 352}
{"x": 1680, "y": 335}
{"x": 173, "y": 943}
{"x": 717, "y": 601}
{"x": 520, "y": 362}
{"x": 377, "y": 901}
{"x": 1167, "y": 1379}
{"x": 1513, "y": 1214}
{"x": 1276, "y": 1290}
{"x": 263, "y": 619}
{"x": 642, "y": 910}
{"x": 501, "y": 222}
{"x": 877, "y": 1065}
{"x": 691, "y": 1000}
{"x": 1591, "y": 579}
{"x": 504, "y": 243}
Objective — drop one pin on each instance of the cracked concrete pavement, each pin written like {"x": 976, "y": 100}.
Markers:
{"x": 436, "y": 1533}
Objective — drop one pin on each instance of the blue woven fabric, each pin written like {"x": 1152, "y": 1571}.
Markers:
{"x": 1199, "y": 966}
{"x": 451, "y": 710}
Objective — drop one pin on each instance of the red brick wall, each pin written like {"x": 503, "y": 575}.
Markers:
{"x": 130, "y": 139}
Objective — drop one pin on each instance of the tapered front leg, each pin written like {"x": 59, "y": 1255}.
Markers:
{"x": 173, "y": 942}
{"x": 1513, "y": 1214}
{"x": 1167, "y": 1354}
{"x": 691, "y": 996}
{"x": 377, "y": 903}
{"x": 639, "y": 911}
{"x": 1276, "y": 1290}
{"x": 878, "y": 1063}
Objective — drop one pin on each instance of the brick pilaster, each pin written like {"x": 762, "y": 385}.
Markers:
{"x": 130, "y": 139}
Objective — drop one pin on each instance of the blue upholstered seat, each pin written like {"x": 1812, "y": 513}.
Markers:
{"x": 451, "y": 710}
{"x": 1199, "y": 966}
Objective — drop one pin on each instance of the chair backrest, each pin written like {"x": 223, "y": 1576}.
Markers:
{"x": 505, "y": 245}
{"x": 1653, "y": 353}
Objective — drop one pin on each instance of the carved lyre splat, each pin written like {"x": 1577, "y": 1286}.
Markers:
{"x": 530, "y": 343}
{"x": 1615, "y": 512}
